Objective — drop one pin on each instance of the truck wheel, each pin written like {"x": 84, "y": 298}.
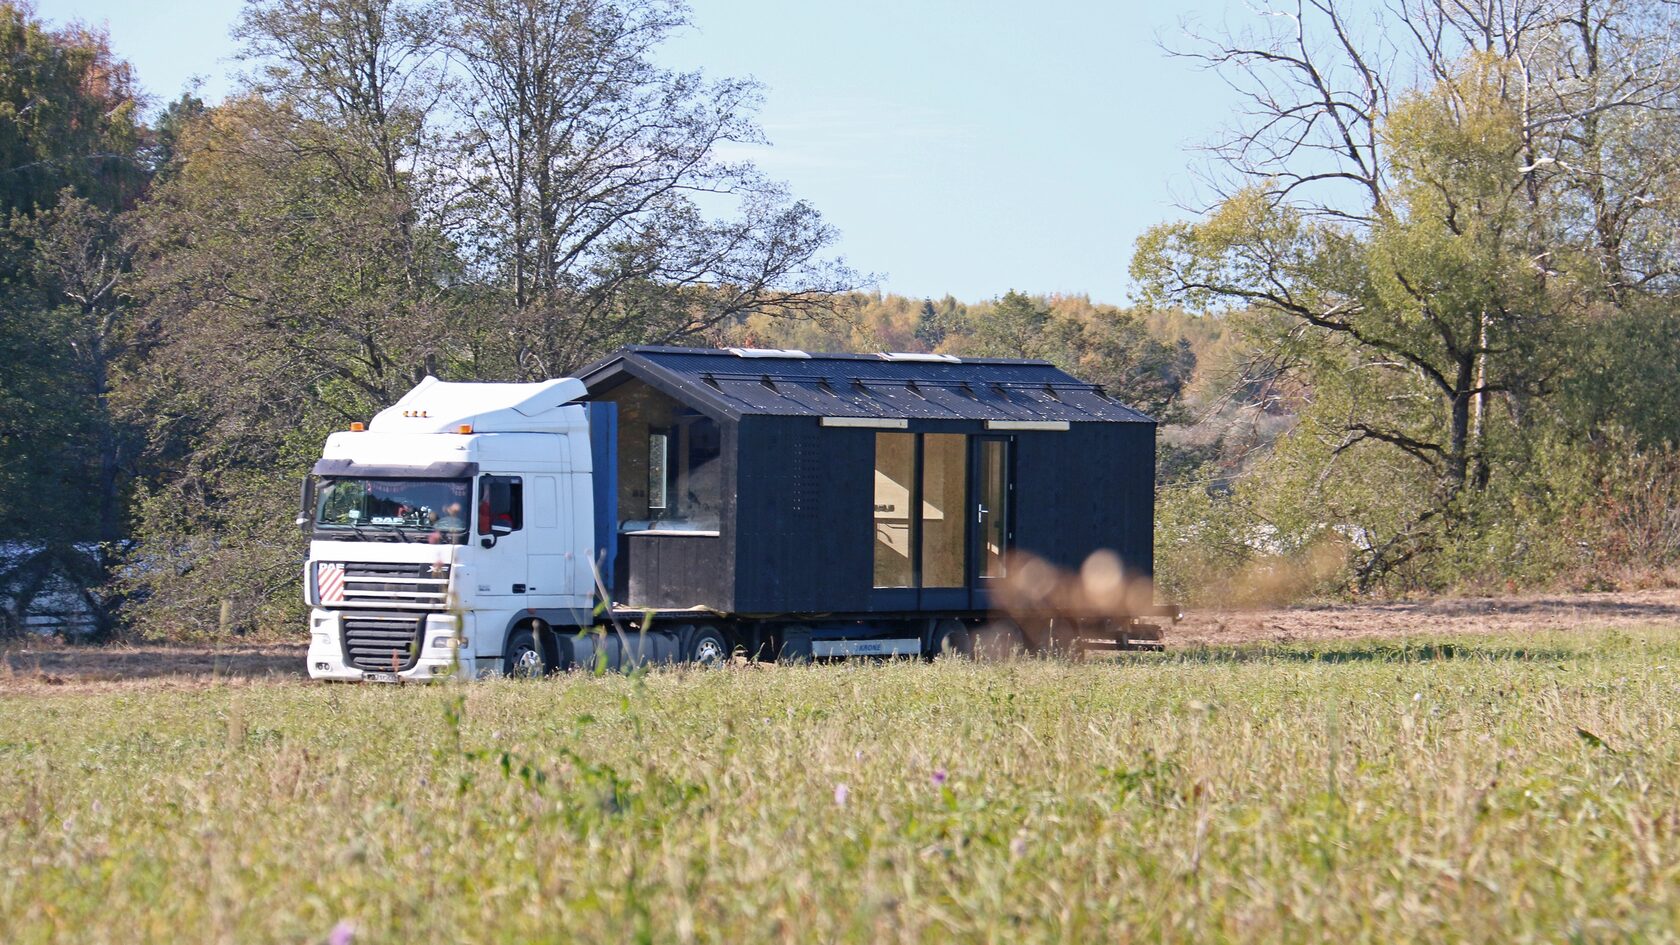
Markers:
{"x": 951, "y": 638}
{"x": 997, "y": 641}
{"x": 796, "y": 645}
{"x": 707, "y": 647}
{"x": 525, "y": 658}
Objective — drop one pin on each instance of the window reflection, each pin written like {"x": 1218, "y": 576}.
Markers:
{"x": 895, "y": 469}
{"x": 670, "y": 469}
{"x": 944, "y": 495}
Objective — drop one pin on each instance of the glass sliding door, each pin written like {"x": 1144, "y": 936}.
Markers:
{"x": 922, "y": 535}
{"x": 895, "y": 479}
{"x": 944, "y": 501}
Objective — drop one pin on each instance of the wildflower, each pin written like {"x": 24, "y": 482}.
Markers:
{"x": 938, "y": 777}
{"x": 343, "y": 933}
{"x": 840, "y": 794}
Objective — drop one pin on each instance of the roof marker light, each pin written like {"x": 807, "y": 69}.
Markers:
{"x": 465, "y": 428}
{"x": 357, "y": 427}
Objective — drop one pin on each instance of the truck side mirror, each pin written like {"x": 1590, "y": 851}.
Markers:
{"x": 497, "y": 530}
{"x": 306, "y": 503}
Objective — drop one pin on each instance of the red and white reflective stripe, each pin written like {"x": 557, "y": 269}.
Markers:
{"x": 329, "y": 582}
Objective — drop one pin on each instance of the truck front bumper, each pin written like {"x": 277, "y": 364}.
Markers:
{"x": 442, "y": 654}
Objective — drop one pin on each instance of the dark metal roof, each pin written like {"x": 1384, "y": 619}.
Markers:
{"x": 863, "y": 385}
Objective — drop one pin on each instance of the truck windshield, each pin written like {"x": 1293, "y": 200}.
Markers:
{"x": 430, "y": 510}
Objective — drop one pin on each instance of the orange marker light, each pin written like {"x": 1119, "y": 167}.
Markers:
{"x": 357, "y": 427}
{"x": 466, "y": 428}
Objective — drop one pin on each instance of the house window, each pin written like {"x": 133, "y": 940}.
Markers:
{"x": 659, "y": 468}
{"x": 670, "y": 464}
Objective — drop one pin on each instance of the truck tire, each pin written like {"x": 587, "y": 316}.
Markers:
{"x": 525, "y": 656}
{"x": 951, "y": 638}
{"x": 796, "y": 645}
{"x": 705, "y": 646}
{"x": 998, "y": 641}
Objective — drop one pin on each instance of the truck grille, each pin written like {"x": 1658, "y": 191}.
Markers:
{"x": 388, "y": 643}
{"x": 405, "y": 585}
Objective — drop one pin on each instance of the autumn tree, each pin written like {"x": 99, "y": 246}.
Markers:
{"x": 1424, "y": 254}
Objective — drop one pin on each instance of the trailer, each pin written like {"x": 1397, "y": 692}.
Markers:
{"x": 678, "y": 504}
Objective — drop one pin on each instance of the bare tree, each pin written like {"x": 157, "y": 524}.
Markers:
{"x": 370, "y": 67}
{"x": 1314, "y": 99}
{"x": 591, "y": 165}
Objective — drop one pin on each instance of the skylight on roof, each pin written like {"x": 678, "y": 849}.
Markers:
{"x": 768, "y": 353}
{"x": 917, "y": 356}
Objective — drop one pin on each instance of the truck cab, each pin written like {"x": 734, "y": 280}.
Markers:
{"x": 458, "y": 513}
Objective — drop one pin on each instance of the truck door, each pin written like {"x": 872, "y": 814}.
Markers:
{"x": 551, "y": 553}
{"x": 501, "y": 573}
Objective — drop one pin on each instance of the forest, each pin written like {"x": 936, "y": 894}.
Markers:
{"x": 1424, "y": 338}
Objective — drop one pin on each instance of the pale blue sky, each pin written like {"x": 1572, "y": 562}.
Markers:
{"x": 962, "y": 147}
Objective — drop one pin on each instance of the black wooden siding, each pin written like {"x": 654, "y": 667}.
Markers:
{"x": 803, "y": 515}
{"x": 1088, "y": 488}
{"x": 797, "y": 530}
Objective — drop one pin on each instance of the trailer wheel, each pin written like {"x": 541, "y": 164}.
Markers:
{"x": 999, "y": 640}
{"x": 706, "y": 647}
{"x": 951, "y": 638}
{"x": 525, "y": 657}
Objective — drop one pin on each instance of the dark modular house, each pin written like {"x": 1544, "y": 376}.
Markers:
{"x": 765, "y": 482}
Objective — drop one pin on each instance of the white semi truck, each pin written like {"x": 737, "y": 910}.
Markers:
{"x": 415, "y": 557}
{"x": 634, "y": 515}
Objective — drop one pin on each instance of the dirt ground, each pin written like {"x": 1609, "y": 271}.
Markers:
{"x": 47, "y": 664}
{"x": 1445, "y": 616}
{"x": 44, "y": 665}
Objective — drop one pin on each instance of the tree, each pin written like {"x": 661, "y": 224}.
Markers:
{"x": 1103, "y": 344}
{"x": 285, "y": 294}
{"x": 585, "y": 160}
{"x": 69, "y": 117}
{"x": 79, "y": 261}
{"x": 1417, "y": 253}
{"x": 72, "y": 160}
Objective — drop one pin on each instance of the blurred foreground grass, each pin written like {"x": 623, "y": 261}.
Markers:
{"x": 1487, "y": 789}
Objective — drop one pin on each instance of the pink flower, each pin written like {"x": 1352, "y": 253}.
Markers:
{"x": 938, "y": 777}
{"x": 840, "y": 794}
{"x": 344, "y": 933}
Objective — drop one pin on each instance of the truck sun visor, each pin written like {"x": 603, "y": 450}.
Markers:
{"x": 349, "y": 467}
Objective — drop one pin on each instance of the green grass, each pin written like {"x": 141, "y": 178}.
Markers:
{"x": 1492, "y": 790}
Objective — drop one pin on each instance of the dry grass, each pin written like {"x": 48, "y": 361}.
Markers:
{"x": 1493, "y": 789}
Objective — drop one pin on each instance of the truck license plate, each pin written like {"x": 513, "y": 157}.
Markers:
{"x": 381, "y": 677}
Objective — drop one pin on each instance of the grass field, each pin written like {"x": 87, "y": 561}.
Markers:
{"x": 1492, "y": 789}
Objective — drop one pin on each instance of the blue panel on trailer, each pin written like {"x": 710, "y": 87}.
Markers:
{"x": 603, "y": 451}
